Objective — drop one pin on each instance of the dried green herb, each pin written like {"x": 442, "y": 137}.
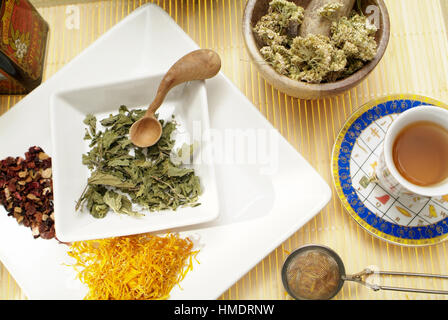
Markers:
{"x": 315, "y": 58}
{"x": 153, "y": 178}
{"x": 283, "y": 18}
{"x": 119, "y": 203}
{"x": 356, "y": 36}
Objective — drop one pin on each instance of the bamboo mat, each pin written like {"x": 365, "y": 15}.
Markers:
{"x": 416, "y": 62}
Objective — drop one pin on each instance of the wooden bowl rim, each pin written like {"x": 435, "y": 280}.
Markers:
{"x": 340, "y": 85}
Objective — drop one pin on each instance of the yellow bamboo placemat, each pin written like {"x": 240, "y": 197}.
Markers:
{"x": 416, "y": 62}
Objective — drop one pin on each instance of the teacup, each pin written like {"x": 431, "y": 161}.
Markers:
{"x": 387, "y": 174}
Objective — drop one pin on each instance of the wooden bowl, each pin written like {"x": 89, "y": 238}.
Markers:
{"x": 255, "y": 9}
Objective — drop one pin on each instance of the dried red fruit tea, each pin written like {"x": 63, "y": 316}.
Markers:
{"x": 26, "y": 191}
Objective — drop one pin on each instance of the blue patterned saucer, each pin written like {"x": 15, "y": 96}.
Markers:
{"x": 406, "y": 219}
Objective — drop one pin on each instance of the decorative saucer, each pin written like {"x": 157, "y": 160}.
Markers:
{"x": 405, "y": 219}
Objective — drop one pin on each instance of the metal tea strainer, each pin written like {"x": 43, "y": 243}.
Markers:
{"x": 315, "y": 272}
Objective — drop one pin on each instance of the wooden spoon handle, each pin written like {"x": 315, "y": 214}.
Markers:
{"x": 197, "y": 65}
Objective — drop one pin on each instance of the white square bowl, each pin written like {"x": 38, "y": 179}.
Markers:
{"x": 68, "y": 109}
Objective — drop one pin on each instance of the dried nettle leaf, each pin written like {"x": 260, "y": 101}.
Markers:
{"x": 119, "y": 203}
{"x": 123, "y": 175}
{"x": 105, "y": 179}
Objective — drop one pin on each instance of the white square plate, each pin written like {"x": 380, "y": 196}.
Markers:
{"x": 68, "y": 109}
{"x": 258, "y": 210}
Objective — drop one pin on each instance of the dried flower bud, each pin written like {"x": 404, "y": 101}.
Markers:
{"x": 315, "y": 58}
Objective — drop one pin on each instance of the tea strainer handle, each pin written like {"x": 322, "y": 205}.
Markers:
{"x": 360, "y": 278}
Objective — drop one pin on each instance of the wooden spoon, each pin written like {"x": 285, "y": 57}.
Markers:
{"x": 197, "y": 65}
